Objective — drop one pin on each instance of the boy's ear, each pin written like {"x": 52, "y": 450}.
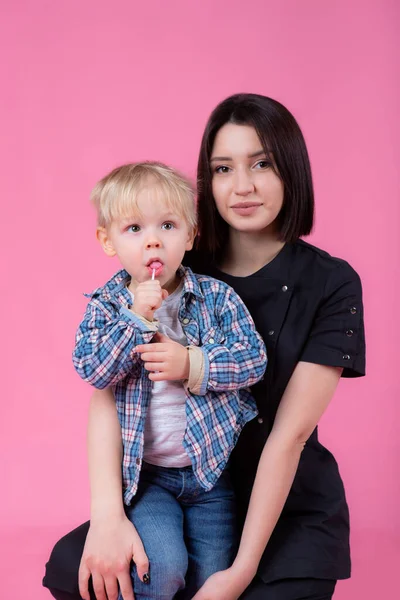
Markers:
{"x": 190, "y": 240}
{"x": 105, "y": 241}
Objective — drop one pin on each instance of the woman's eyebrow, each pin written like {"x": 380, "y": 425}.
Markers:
{"x": 229, "y": 158}
{"x": 220, "y": 158}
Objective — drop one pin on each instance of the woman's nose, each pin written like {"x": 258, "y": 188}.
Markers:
{"x": 243, "y": 183}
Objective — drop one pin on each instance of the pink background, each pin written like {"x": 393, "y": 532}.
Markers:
{"x": 89, "y": 85}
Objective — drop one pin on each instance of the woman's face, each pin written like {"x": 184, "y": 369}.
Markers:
{"x": 247, "y": 191}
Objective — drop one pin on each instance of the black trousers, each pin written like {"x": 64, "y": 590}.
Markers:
{"x": 62, "y": 576}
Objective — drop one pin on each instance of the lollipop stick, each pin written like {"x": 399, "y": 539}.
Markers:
{"x": 153, "y": 274}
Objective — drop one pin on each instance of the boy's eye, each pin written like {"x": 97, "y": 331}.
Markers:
{"x": 167, "y": 226}
{"x": 134, "y": 228}
{"x": 221, "y": 169}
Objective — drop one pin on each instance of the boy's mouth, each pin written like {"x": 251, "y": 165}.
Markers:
{"x": 155, "y": 265}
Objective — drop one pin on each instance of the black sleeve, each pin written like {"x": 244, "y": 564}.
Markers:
{"x": 337, "y": 335}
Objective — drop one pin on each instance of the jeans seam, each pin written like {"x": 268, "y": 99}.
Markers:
{"x": 183, "y": 485}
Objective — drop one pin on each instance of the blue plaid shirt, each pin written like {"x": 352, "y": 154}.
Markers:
{"x": 214, "y": 318}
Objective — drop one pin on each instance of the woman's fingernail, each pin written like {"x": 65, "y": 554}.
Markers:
{"x": 146, "y": 578}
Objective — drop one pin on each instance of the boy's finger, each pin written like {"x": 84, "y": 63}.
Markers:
{"x": 153, "y": 356}
{"x": 144, "y": 348}
{"x": 154, "y": 366}
{"x": 159, "y": 376}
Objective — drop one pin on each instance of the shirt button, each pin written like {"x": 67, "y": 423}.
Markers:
{"x": 211, "y": 341}
{"x": 260, "y": 420}
{"x": 349, "y": 332}
{"x": 138, "y": 461}
{"x": 271, "y": 332}
{"x": 284, "y": 288}
{"x": 353, "y": 310}
{"x": 346, "y": 357}
{"x": 185, "y": 321}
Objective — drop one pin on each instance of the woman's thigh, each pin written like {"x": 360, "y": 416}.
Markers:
{"x": 61, "y": 575}
{"x": 290, "y": 589}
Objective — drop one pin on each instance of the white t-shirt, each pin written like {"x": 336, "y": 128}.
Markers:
{"x": 166, "y": 416}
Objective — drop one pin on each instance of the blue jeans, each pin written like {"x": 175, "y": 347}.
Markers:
{"x": 188, "y": 533}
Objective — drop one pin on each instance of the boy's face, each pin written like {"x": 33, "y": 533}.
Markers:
{"x": 155, "y": 238}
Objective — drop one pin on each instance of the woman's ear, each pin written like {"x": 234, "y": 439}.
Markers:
{"x": 105, "y": 241}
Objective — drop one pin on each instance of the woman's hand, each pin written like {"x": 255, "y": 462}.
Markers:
{"x": 224, "y": 585}
{"x": 110, "y": 547}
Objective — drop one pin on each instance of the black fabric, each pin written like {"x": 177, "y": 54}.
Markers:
{"x": 61, "y": 575}
{"x": 307, "y": 306}
{"x": 290, "y": 589}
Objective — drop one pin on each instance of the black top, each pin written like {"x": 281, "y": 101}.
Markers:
{"x": 307, "y": 306}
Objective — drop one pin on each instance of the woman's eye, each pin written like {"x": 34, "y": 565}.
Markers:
{"x": 263, "y": 164}
{"x": 167, "y": 226}
{"x": 222, "y": 169}
{"x": 134, "y": 228}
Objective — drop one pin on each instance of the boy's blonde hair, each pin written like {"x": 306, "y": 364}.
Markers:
{"x": 116, "y": 195}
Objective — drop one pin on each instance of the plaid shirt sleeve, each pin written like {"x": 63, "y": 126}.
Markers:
{"x": 237, "y": 360}
{"x": 105, "y": 341}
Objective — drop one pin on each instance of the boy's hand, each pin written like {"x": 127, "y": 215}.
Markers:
{"x": 148, "y": 296}
{"x": 165, "y": 359}
{"x": 109, "y": 549}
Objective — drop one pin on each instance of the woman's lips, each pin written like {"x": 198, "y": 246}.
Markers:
{"x": 245, "y": 208}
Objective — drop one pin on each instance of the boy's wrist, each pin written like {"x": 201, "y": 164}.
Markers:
{"x": 140, "y": 312}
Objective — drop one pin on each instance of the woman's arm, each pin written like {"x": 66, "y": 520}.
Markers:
{"x": 307, "y": 396}
{"x": 112, "y": 541}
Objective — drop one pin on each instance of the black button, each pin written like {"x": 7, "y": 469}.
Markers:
{"x": 349, "y": 332}
{"x": 284, "y": 288}
{"x": 129, "y": 306}
{"x": 271, "y": 332}
{"x": 138, "y": 461}
{"x": 346, "y": 357}
{"x": 353, "y": 310}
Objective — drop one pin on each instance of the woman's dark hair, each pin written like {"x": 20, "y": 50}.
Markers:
{"x": 280, "y": 136}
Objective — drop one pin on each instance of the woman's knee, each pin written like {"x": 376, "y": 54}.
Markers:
{"x": 61, "y": 575}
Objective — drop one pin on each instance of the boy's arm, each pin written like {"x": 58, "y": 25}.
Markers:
{"x": 237, "y": 360}
{"x": 105, "y": 344}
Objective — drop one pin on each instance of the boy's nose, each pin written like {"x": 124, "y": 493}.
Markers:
{"x": 153, "y": 243}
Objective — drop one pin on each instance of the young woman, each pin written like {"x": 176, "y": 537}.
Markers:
{"x": 255, "y": 201}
